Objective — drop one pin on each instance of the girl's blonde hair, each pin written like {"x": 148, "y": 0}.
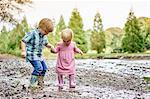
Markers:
{"x": 46, "y": 24}
{"x": 67, "y": 34}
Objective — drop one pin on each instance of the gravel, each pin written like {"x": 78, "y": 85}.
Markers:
{"x": 95, "y": 79}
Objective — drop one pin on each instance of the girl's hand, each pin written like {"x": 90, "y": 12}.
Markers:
{"x": 81, "y": 52}
{"x": 52, "y": 49}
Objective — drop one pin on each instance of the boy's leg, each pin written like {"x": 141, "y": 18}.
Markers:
{"x": 60, "y": 81}
{"x": 72, "y": 81}
{"x": 41, "y": 76}
{"x": 37, "y": 70}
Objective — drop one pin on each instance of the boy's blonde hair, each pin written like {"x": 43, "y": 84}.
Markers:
{"x": 67, "y": 34}
{"x": 46, "y": 25}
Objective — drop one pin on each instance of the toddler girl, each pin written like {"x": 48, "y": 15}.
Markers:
{"x": 65, "y": 59}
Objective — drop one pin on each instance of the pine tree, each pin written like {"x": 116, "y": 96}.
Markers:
{"x": 55, "y": 36}
{"x": 59, "y": 27}
{"x": 145, "y": 27}
{"x": 4, "y": 39}
{"x": 147, "y": 37}
{"x": 76, "y": 25}
{"x": 133, "y": 41}
{"x": 98, "y": 37}
{"x": 10, "y": 43}
{"x": 17, "y": 34}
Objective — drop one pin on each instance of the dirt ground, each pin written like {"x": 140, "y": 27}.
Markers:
{"x": 91, "y": 83}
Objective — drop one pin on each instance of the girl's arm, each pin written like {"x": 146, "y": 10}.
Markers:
{"x": 77, "y": 50}
{"x": 53, "y": 50}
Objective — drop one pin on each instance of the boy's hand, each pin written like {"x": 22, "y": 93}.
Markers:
{"x": 23, "y": 49}
{"x": 23, "y": 54}
{"x": 49, "y": 46}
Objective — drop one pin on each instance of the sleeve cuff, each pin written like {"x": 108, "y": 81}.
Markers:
{"x": 24, "y": 41}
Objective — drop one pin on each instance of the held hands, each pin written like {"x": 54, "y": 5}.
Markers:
{"x": 51, "y": 47}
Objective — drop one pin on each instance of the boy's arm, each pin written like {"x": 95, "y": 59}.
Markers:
{"x": 23, "y": 49}
{"x": 28, "y": 36}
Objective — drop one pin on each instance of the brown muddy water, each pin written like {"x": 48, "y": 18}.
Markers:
{"x": 95, "y": 79}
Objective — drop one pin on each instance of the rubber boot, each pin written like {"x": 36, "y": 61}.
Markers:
{"x": 33, "y": 82}
{"x": 72, "y": 81}
{"x": 41, "y": 81}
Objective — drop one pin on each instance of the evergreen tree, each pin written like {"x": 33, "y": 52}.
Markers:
{"x": 133, "y": 40}
{"x": 76, "y": 25}
{"x": 11, "y": 42}
{"x": 55, "y": 36}
{"x": 59, "y": 27}
{"x": 147, "y": 37}
{"x": 17, "y": 34}
{"x": 98, "y": 37}
{"x": 3, "y": 39}
{"x": 145, "y": 27}
{"x": 52, "y": 38}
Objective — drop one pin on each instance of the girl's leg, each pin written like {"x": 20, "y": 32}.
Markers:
{"x": 60, "y": 81}
{"x": 72, "y": 81}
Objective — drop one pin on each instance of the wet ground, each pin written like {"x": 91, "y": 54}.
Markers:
{"x": 95, "y": 79}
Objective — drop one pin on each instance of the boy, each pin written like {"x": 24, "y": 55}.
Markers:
{"x": 32, "y": 45}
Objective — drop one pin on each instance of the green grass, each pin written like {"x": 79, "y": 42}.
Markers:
{"x": 92, "y": 55}
{"x": 48, "y": 55}
{"x": 147, "y": 79}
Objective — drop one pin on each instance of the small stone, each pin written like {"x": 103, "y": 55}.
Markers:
{"x": 44, "y": 95}
{"x": 50, "y": 96}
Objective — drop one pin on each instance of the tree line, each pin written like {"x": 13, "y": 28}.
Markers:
{"x": 133, "y": 38}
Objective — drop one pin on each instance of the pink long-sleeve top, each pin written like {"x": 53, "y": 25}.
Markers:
{"x": 65, "y": 59}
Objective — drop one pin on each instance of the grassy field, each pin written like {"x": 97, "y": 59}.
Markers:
{"x": 92, "y": 55}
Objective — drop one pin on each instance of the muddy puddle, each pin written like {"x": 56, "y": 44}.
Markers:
{"x": 95, "y": 79}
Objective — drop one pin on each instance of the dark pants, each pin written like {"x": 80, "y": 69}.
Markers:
{"x": 39, "y": 67}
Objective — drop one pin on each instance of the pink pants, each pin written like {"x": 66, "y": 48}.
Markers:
{"x": 71, "y": 80}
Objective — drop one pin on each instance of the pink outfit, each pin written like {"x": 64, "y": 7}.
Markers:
{"x": 65, "y": 59}
{"x": 66, "y": 62}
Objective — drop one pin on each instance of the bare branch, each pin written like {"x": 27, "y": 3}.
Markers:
{"x": 9, "y": 8}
